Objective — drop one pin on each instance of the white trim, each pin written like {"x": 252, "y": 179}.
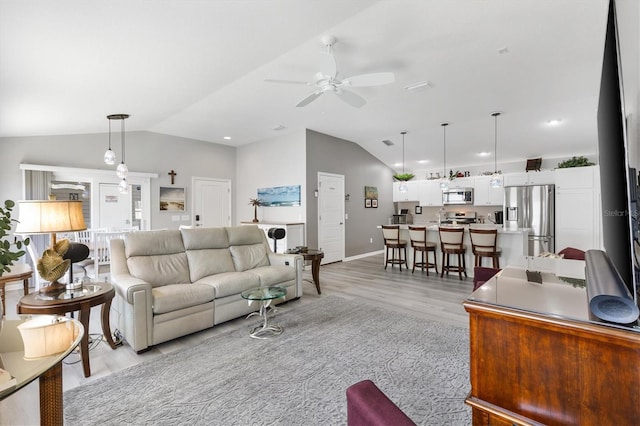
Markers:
{"x": 363, "y": 255}
{"x": 85, "y": 172}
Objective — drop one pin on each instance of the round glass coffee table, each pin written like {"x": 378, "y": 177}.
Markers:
{"x": 265, "y": 295}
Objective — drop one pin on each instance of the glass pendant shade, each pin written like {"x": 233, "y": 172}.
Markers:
{"x": 123, "y": 187}
{"x": 496, "y": 180}
{"x": 122, "y": 171}
{"x": 403, "y": 187}
{"x": 110, "y": 157}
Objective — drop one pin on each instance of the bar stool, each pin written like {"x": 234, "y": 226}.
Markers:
{"x": 484, "y": 244}
{"x": 391, "y": 235}
{"x": 451, "y": 244}
{"x": 418, "y": 237}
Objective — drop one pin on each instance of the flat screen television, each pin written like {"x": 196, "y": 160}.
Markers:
{"x": 618, "y": 181}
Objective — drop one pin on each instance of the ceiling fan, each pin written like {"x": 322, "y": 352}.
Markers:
{"x": 327, "y": 80}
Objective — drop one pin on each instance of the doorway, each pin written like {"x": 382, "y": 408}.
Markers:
{"x": 331, "y": 217}
{"x": 114, "y": 207}
{"x": 211, "y": 202}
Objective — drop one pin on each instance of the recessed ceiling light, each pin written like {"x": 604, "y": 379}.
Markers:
{"x": 554, "y": 122}
{"x": 227, "y": 138}
{"x": 484, "y": 154}
{"x": 397, "y": 165}
{"x": 423, "y": 161}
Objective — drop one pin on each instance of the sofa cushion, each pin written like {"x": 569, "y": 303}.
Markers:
{"x": 272, "y": 275}
{"x": 249, "y": 256}
{"x": 231, "y": 283}
{"x": 169, "y": 298}
{"x": 205, "y": 238}
{"x": 160, "y": 270}
{"x": 246, "y": 234}
{"x": 149, "y": 243}
{"x": 203, "y": 263}
{"x": 572, "y": 253}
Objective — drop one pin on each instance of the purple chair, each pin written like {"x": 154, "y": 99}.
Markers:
{"x": 369, "y": 406}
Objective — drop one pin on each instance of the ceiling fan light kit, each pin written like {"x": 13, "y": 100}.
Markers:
{"x": 328, "y": 81}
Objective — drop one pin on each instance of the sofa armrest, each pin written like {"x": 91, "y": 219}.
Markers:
{"x": 368, "y": 405}
{"x": 296, "y": 261}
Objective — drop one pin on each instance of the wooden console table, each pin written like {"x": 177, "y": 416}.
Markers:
{"x": 536, "y": 358}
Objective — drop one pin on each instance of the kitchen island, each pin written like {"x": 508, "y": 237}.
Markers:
{"x": 512, "y": 242}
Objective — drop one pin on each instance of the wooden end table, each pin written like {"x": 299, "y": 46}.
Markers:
{"x": 70, "y": 301}
{"x": 315, "y": 256}
{"x": 19, "y": 272}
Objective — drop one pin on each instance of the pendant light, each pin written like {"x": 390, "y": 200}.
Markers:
{"x": 123, "y": 186}
{"x": 122, "y": 169}
{"x": 109, "y": 155}
{"x": 496, "y": 178}
{"x": 403, "y": 185}
{"x": 444, "y": 182}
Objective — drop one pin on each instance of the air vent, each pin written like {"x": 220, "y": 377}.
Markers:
{"x": 387, "y": 142}
{"x": 422, "y": 85}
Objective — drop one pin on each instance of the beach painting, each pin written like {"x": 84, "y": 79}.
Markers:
{"x": 172, "y": 199}
{"x": 280, "y": 196}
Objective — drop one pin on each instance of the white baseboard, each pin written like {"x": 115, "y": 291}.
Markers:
{"x": 363, "y": 255}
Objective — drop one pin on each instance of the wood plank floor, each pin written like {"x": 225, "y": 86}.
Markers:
{"x": 363, "y": 279}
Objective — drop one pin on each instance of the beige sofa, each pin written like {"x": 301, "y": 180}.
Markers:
{"x": 172, "y": 283}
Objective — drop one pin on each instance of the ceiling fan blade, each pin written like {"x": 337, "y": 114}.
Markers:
{"x": 373, "y": 79}
{"x": 351, "y": 98}
{"x": 328, "y": 64}
{"x": 310, "y": 98}
{"x": 272, "y": 80}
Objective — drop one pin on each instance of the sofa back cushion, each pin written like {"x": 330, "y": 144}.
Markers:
{"x": 157, "y": 257}
{"x": 248, "y": 247}
{"x": 207, "y": 252}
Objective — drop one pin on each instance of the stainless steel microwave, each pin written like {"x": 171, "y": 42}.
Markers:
{"x": 457, "y": 196}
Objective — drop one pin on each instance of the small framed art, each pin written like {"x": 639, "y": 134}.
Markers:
{"x": 367, "y": 203}
{"x": 172, "y": 199}
{"x": 374, "y": 203}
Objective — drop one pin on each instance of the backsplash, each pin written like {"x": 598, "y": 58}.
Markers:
{"x": 430, "y": 214}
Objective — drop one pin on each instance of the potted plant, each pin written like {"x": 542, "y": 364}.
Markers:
{"x": 255, "y": 202}
{"x": 575, "y": 162}
{"x": 403, "y": 177}
{"x": 7, "y": 256}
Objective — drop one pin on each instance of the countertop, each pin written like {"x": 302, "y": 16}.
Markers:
{"x": 433, "y": 226}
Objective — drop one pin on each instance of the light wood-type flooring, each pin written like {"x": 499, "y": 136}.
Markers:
{"x": 363, "y": 279}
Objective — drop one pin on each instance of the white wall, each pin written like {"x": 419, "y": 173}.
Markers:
{"x": 279, "y": 161}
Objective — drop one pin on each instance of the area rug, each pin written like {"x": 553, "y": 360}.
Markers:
{"x": 297, "y": 378}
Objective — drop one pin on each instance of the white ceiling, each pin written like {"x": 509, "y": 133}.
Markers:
{"x": 195, "y": 68}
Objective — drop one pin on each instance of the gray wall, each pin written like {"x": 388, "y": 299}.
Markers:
{"x": 146, "y": 152}
{"x": 333, "y": 155}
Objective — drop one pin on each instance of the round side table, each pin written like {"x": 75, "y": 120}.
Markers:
{"x": 82, "y": 300}
{"x": 19, "y": 272}
{"x": 315, "y": 256}
{"x": 265, "y": 295}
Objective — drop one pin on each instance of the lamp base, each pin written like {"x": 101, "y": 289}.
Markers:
{"x": 53, "y": 288}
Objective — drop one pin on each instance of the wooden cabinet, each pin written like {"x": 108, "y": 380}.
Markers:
{"x": 431, "y": 193}
{"x": 577, "y": 202}
{"x": 412, "y": 193}
{"x": 544, "y": 177}
{"x": 485, "y": 195}
{"x": 542, "y": 368}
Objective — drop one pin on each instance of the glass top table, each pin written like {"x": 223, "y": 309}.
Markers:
{"x": 265, "y": 295}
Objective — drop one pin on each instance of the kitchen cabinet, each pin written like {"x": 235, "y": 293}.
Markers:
{"x": 431, "y": 193}
{"x": 544, "y": 177}
{"x": 412, "y": 194}
{"x": 485, "y": 195}
{"x": 577, "y": 201}
{"x": 461, "y": 182}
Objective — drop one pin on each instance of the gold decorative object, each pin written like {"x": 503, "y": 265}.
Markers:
{"x": 52, "y": 266}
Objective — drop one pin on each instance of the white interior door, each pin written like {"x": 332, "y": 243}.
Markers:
{"x": 115, "y": 208}
{"x": 211, "y": 202}
{"x": 331, "y": 216}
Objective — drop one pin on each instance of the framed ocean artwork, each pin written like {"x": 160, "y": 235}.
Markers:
{"x": 280, "y": 196}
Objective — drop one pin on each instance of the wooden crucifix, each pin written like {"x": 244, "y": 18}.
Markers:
{"x": 173, "y": 176}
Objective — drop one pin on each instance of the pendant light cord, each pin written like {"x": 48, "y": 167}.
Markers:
{"x": 444, "y": 149}
{"x": 109, "y": 135}
{"x": 123, "y": 142}
{"x": 403, "y": 133}
{"x": 495, "y": 141}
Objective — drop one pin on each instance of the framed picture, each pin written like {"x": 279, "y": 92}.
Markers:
{"x": 367, "y": 203}
{"x": 371, "y": 192}
{"x": 280, "y": 196}
{"x": 418, "y": 209}
{"x": 172, "y": 199}
{"x": 374, "y": 203}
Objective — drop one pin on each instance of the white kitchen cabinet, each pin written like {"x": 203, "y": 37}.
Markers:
{"x": 485, "y": 195}
{"x": 544, "y": 177}
{"x": 412, "y": 194}
{"x": 431, "y": 193}
{"x": 461, "y": 182}
{"x": 578, "y": 208}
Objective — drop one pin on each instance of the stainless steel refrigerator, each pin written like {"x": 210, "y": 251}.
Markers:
{"x": 532, "y": 207}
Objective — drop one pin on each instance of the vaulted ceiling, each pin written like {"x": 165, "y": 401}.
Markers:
{"x": 196, "y": 69}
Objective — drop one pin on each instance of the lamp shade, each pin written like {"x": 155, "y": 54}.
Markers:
{"x": 46, "y": 335}
{"x": 45, "y": 217}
